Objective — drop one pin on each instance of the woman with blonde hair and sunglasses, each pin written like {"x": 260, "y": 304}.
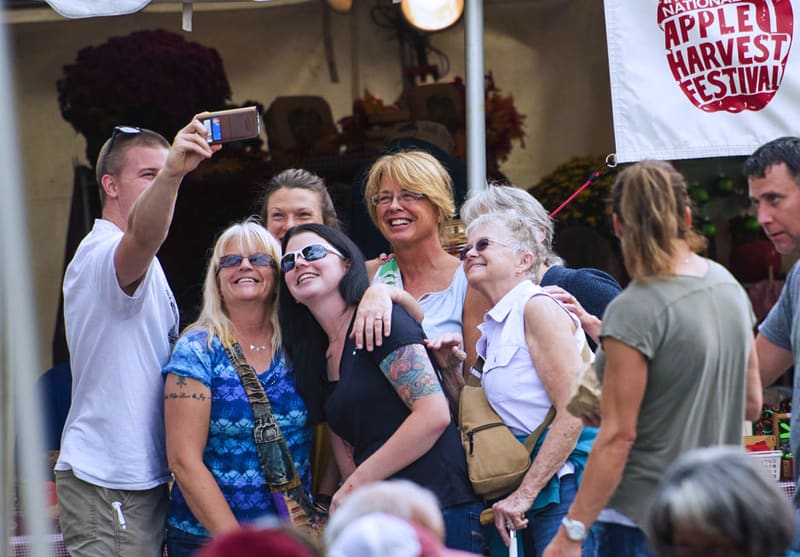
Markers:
{"x": 219, "y": 481}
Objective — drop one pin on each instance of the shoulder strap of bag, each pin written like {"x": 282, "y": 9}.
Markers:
{"x": 530, "y": 441}
{"x": 273, "y": 453}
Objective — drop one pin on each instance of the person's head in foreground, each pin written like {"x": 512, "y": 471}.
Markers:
{"x": 719, "y": 502}
{"x": 385, "y": 535}
{"x": 401, "y": 498}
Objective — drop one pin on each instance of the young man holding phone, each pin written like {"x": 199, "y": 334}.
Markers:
{"x": 121, "y": 320}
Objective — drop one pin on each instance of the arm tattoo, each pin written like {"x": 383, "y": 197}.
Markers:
{"x": 180, "y": 381}
{"x": 201, "y": 397}
{"x": 411, "y": 373}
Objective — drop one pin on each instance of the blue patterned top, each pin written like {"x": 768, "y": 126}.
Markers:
{"x": 230, "y": 452}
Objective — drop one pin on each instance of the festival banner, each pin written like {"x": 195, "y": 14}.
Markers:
{"x": 702, "y": 78}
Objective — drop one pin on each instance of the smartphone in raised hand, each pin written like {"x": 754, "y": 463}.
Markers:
{"x": 235, "y": 124}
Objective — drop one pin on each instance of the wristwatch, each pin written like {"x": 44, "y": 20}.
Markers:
{"x": 575, "y": 529}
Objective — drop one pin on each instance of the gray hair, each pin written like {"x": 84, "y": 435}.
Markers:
{"x": 723, "y": 493}
{"x": 401, "y": 498}
{"x": 498, "y": 197}
{"x": 522, "y": 236}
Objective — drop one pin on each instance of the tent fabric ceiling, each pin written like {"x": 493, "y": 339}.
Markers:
{"x": 75, "y": 9}
{"x": 92, "y": 8}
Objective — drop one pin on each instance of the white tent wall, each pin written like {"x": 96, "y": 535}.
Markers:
{"x": 550, "y": 54}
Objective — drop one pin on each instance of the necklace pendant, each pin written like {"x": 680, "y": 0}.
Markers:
{"x": 258, "y": 348}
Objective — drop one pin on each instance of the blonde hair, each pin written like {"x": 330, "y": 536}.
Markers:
{"x": 650, "y": 199}
{"x": 414, "y": 171}
{"x": 247, "y": 236}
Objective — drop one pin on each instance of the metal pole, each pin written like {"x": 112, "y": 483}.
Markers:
{"x": 18, "y": 360}
{"x": 476, "y": 109}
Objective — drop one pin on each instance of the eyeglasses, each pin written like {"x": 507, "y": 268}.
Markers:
{"x": 122, "y": 130}
{"x": 405, "y": 196}
{"x": 311, "y": 252}
{"x": 479, "y": 246}
{"x": 255, "y": 259}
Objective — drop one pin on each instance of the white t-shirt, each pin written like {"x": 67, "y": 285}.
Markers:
{"x": 114, "y": 433}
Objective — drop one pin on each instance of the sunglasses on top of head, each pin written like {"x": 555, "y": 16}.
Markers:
{"x": 256, "y": 259}
{"x": 122, "y": 130}
{"x": 311, "y": 252}
{"x": 479, "y": 246}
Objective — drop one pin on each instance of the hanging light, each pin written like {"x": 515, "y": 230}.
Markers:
{"x": 432, "y": 15}
{"x": 341, "y": 6}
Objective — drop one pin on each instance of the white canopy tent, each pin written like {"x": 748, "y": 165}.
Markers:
{"x": 20, "y": 408}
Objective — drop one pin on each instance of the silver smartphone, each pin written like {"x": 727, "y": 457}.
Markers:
{"x": 231, "y": 125}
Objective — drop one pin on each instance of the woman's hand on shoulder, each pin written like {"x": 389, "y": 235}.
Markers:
{"x": 590, "y": 323}
{"x": 373, "y": 318}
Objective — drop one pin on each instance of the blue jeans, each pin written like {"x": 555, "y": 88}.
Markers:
{"x": 794, "y": 550}
{"x": 542, "y": 526}
{"x": 616, "y": 540}
{"x": 462, "y": 527}
{"x": 183, "y": 544}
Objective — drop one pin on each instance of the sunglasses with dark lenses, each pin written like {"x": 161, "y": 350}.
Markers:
{"x": 479, "y": 246}
{"x": 122, "y": 130}
{"x": 256, "y": 259}
{"x": 311, "y": 252}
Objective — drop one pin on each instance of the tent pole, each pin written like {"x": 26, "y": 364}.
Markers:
{"x": 18, "y": 353}
{"x": 476, "y": 116}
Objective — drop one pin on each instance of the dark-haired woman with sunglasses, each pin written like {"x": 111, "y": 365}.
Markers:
{"x": 532, "y": 350}
{"x": 219, "y": 482}
{"x": 386, "y": 410}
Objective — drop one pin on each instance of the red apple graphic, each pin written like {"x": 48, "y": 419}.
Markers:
{"x": 727, "y": 55}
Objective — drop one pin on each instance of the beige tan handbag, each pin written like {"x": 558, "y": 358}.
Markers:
{"x": 496, "y": 460}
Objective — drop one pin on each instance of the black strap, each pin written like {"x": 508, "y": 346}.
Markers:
{"x": 273, "y": 453}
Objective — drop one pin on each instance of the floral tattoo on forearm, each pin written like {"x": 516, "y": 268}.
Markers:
{"x": 411, "y": 373}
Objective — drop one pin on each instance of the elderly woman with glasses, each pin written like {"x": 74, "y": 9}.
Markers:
{"x": 532, "y": 350}
{"x": 385, "y": 408}
{"x": 219, "y": 481}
